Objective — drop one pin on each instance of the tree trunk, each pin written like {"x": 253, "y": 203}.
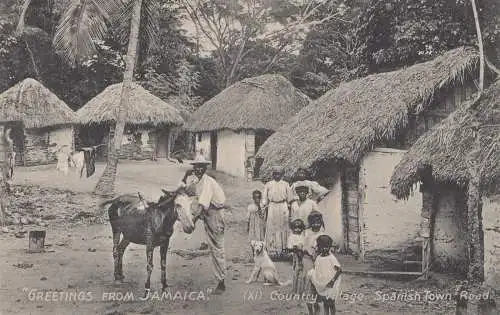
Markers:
{"x": 474, "y": 216}
{"x": 106, "y": 184}
{"x": 480, "y": 44}
{"x": 474, "y": 206}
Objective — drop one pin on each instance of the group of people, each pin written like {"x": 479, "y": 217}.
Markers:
{"x": 287, "y": 218}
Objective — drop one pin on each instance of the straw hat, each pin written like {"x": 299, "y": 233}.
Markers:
{"x": 200, "y": 160}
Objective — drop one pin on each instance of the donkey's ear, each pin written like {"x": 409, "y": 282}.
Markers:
{"x": 166, "y": 192}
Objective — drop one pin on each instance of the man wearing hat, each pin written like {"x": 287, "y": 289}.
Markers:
{"x": 211, "y": 200}
{"x": 276, "y": 196}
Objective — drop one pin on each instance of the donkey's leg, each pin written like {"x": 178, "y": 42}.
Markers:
{"x": 116, "y": 242}
{"x": 121, "y": 250}
{"x": 149, "y": 267}
{"x": 163, "y": 262}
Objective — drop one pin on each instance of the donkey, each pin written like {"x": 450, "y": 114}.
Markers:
{"x": 149, "y": 224}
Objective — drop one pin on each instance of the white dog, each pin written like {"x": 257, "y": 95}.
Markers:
{"x": 264, "y": 265}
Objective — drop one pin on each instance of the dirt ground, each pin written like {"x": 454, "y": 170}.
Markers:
{"x": 75, "y": 274}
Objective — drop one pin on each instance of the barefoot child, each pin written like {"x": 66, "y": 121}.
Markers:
{"x": 316, "y": 228}
{"x": 256, "y": 218}
{"x": 325, "y": 277}
{"x": 296, "y": 245}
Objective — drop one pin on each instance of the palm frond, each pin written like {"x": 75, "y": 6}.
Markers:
{"x": 20, "y": 24}
{"x": 83, "y": 23}
{"x": 149, "y": 21}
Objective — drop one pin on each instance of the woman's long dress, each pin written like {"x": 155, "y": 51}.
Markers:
{"x": 276, "y": 196}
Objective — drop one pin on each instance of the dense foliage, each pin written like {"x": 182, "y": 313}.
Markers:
{"x": 338, "y": 41}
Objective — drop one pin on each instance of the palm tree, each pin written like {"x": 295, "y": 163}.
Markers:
{"x": 475, "y": 244}
{"x": 106, "y": 184}
{"x": 84, "y": 23}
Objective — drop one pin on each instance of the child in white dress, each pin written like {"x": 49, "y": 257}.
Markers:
{"x": 325, "y": 277}
{"x": 256, "y": 218}
{"x": 296, "y": 246}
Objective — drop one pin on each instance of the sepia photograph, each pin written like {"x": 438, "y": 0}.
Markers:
{"x": 192, "y": 157}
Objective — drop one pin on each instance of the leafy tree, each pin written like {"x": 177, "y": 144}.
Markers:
{"x": 398, "y": 33}
{"x": 235, "y": 29}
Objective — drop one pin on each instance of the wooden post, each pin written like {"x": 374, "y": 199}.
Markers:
{"x": 427, "y": 219}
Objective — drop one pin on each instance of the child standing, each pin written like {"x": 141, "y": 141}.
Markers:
{"x": 256, "y": 218}
{"x": 296, "y": 246}
{"x": 315, "y": 229}
{"x": 303, "y": 206}
{"x": 325, "y": 277}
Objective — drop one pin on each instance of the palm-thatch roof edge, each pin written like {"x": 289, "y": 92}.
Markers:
{"x": 445, "y": 149}
{"x": 144, "y": 108}
{"x": 264, "y": 102}
{"x": 35, "y": 106}
{"x": 347, "y": 121}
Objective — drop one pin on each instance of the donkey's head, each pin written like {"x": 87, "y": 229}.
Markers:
{"x": 182, "y": 204}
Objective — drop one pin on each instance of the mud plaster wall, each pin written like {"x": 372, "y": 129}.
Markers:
{"x": 449, "y": 241}
{"x": 138, "y": 146}
{"x": 491, "y": 229}
{"x": 35, "y": 147}
{"x": 387, "y": 223}
{"x": 331, "y": 208}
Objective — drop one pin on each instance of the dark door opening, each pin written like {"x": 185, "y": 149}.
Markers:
{"x": 213, "y": 149}
{"x": 260, "y": 137}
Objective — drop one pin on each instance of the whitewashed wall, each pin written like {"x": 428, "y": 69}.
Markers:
{"x": 203, "y": 143}
{"x": 491, "y": 228}
{"x": 331, "y": 208}
{"x": 231, "y": 152}
{"x": 62, "y": 136}
{"x": 387, "y": 223}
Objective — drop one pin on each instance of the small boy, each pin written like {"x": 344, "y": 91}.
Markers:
{"x": 325, "y": 277}
{"x": 296, "y": 246}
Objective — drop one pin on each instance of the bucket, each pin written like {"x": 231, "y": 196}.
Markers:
{"x": 36, "y": 241}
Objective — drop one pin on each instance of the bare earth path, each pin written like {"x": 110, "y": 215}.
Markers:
{"x": 70, "y": 268}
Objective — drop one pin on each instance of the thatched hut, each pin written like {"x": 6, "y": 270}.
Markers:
{"x": 232, "y": 126}
{"x": 148, "y": 132}
{"x": 352, "y": 137}
{"x": 41, "y": 123}
{"x": 438, "y": 163}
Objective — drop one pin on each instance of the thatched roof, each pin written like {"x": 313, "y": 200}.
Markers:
{"x": 446, "y": 147}
{"x": 145, "y": 108}
{"x": 34, "y": 105}
{"x": 343, "y": 124}
{"x": 263, "y": 102}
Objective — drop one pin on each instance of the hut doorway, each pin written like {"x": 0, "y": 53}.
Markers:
{"x": 162, "y": 143}
{"x": 261, "y": 137}
{"x": 213, "y": 149}
{"x": 17, "y": 136}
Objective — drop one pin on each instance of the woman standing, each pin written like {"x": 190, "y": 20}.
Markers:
{"x": 276, "y": 197}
